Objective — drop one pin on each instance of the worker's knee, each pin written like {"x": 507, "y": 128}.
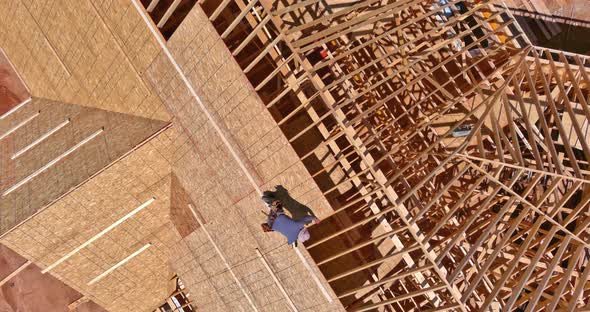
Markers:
{"x": 303, "y": 235}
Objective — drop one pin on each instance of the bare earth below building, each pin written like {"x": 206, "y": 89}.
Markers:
{"x": 32, "y": 291}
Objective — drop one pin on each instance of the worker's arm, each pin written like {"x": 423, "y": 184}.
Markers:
{"x": 275, "y": 210}
{"x": 267, "y": 226}
{"x": 271, "y": 217}
{"x": 309, "y": 219}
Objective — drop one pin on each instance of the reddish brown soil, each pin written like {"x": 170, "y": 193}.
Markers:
{"x": 12, "y": 89}
{"x": 32, "y": 291}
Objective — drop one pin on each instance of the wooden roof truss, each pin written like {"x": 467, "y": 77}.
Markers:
{"x": 462, "y": 150}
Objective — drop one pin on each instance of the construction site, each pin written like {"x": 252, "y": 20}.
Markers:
{"x": 444, "y": 146}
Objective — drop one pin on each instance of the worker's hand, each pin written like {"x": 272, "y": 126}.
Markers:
{"x": 315, "y": 221}
{"x": 266, "y": 227}
{"x": 276, "y": 206}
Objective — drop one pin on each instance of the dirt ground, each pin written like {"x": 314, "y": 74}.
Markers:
{"x": 12, "y": 90}
{"x": 32, "y": 291}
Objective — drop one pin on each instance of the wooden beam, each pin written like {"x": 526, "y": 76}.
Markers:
{"x": 15, "y": 272}
{"x": 168, "y": 13}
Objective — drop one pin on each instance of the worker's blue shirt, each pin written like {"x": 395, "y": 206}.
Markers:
{"x": 289, "y": 227}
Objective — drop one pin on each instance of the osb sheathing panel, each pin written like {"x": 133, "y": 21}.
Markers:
{"x": 220, "y": 190}
{"x": 180, "y": 214}
{"x": 572, "y": 9}
{"x": 87, "y": 52}
{"x": 120, "y": 134}
{"x": 52, "y": 233}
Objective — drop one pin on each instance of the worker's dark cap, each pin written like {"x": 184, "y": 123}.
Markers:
{"x": 268, "y": 197}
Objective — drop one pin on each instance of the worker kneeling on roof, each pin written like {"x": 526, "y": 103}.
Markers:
{"x": 277, "y": 220}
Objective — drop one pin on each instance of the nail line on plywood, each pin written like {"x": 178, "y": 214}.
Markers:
{"x": 24, "y": 122}
{"x": 100, "y": 234}
{"x": 119, "y": 264}
{"x": 41, "y": 139}
{"x": 51, "y": 163}
{"x": 14, "y": 109}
